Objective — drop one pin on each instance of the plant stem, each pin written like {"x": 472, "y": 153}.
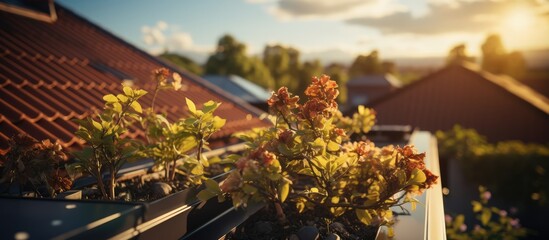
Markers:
{"x": 279, "y": 212}
{"x": 154, "y": 98}
{"x": 112, "y": 183}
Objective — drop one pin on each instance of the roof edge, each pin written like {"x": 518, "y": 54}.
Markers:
{"x": 513, "y": 86}
{"x": 508, "y": 83}
{"x": 51, "y": 18}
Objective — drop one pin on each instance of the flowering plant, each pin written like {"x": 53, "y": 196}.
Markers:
{"x": 108, "y": 149}
{"x": 38, "y": 163}
{"x": 493, "y": 223}
{"x": 306, "y": 157}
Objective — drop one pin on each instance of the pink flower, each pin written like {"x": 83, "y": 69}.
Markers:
{"x": 463, "y": 227}
{"x": 448, "y": 219}
{"x": 515, "y": 222}
{"x": 503, "y": 213}
{"x": 486, "y": 195}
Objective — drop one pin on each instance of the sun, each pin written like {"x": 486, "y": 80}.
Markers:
{"x": 518, "y": 19}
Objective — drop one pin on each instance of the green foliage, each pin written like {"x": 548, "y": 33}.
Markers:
{"x": 496, "y": 60}
{"x": 183, "y": 62}
{"x": 230, "y": 58}
{"x": 513, "y": 170}
{"x": 306, "y": 158}
{"x": 167, "y": 143}
{"x": 34, "y": 163}
{"x": 106, "y": 148}
{"x": 366, "y": 65}
{"x": 284, "y": 65}
{"x": 172, "y": 142}
{"x": 458, "y": 55}
{"x": 491, "y": 222}
{"x": 338, "y": 73}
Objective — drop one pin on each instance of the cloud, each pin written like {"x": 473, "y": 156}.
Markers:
{"x": 446, "y": 16}
{"x": 167, "y": 37}
{"x": 328, "y": 9}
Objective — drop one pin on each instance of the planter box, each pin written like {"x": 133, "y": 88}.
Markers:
{"x": 427, "y": 221}
{"x": 66, "y": 219}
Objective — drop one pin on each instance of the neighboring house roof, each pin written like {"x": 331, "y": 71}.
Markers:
{"x": 240, "y": 87}
{"x": 51, "y": 73}
{"x": 375, "y": 80}
{"x": 497, "y": 106}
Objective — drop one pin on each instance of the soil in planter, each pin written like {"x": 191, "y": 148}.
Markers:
{"x": 264, "y": 225}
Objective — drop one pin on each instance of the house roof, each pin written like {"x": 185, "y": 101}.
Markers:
{"x": 51, "y": 73}
{"x": 240, "y": 87}
{"x": 377, "y": 80}
{"x": 497, "y": 106}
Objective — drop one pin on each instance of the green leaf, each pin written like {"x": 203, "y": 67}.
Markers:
{"x": 97, "y": 125}
{"x": 218, "y": 122}
{"x": 477, "y": 206}
{"x": 191, "y": 106}
{"x": 210, "y": 106}
{"x": 212, "y": 186}
{"x": 485, "y": 216}
{"x": 205, "y": 195}
{"x": 364, "y": 216}
{"x": 122, "y": 98}
{"x": 249, "y": 189}
{"x": 333, "y": 146}
{"x": 198, "y": 170}
{"x": 117, "y": 107}
{"x": 128, "y": 91}
{"x": 139, "y": 93}
{"x": 283, "y": 190}
{"x": 110, "y": 98}
{"x": 136, "y": 107}
{"x": 186, "y": 144}
{"x": 417, "y": 177}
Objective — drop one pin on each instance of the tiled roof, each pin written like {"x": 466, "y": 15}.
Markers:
{"x": 497, "y": 106}
{"x": 381, "y": 80}
{"x": 51, "y": 73}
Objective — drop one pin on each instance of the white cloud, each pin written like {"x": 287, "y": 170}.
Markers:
{"x": 445, "y": 16}
{"x": 329, "y": 9}
{"x": 163, "y": 36}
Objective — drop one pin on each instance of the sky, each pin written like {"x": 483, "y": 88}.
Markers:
{"x": 329, "y": 29}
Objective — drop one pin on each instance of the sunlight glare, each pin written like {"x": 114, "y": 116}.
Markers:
{"x": 518, "y": 20}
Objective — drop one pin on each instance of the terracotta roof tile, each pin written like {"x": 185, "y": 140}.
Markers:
{"x": 51, "y": 73}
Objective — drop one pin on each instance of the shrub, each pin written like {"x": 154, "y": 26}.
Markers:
{"x": 515, "y": 171}
{"x": 35, "y": 163}
{"x": 492, "y": 222}
{"x": 167, "y": 143}
{"x": 307, "y": 157}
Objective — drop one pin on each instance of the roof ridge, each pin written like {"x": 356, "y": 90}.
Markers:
{"x": 513, "y": 86}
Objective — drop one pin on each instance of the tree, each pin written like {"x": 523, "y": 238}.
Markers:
{"x": 458, "y": 55}
{"x": 284, "y": 65}
{"x": 338, "y": 73}
{"x": 182, "y": 62}
{"x": 493, "y": 55}
{"x": 230, "y": 58}
{"x": 515, "y": 64}
{"x": 366, "y": 65}
{"x": 496, "y": 60}
{"x": 307, "y": 71}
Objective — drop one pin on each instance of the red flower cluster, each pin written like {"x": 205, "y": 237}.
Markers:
{"x": 161, "y": 75}
{"x": 322, "y": 88}
{"x": 282, "y": 101}
{"x": 29, "y": 160}
{"x": 322, "y": 93}
{"x": 413, "y": 160}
